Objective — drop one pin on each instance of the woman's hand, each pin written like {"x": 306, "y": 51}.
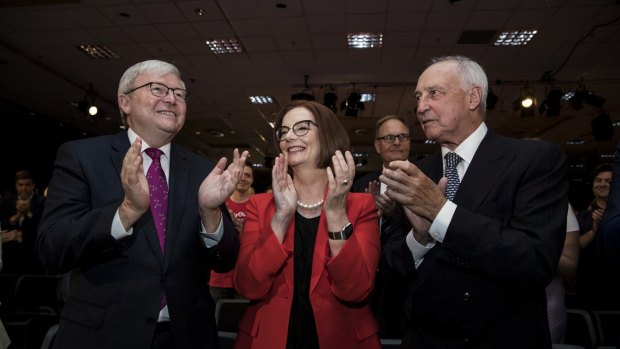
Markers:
{"x": 284, "y": 196}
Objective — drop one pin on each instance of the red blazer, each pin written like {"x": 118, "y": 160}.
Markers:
{"x": 340, "y": 287}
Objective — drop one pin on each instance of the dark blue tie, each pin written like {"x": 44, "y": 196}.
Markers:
{"x": 452, "y": 160}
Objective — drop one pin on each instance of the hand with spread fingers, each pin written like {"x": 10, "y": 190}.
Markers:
{"x": 284, "y": 195}
{"x": 136, "y": 201}
{"x": 340, "y": 180}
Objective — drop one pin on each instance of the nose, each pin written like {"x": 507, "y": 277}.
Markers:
{"x": 170, "y": 97}
{"x": 422, "y": 105}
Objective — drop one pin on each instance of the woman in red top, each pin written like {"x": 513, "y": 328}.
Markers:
{"x": 309, "y": 250}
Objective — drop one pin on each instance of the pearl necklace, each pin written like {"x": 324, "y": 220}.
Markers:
{"x": 309, "y": 206}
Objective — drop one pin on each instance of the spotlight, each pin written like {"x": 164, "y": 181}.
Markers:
{"x": 582, "y": 96}
{"x": 527, "y": 102}
{"x": 527, "y": 105}
{"x": 602, "y": 127}
{"x": 92, "y": 110}
{"x": 352, "y": 105}
{"x": 329, "y": 100}
{"x": 306, "y": 94}
{"x": 551, "y": 104}
{"x": 491, "y": 99}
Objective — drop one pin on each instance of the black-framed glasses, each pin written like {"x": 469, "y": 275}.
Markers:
{"x": 300, "y": 128}
{"x": 391, "y": 138}
{"x": 161, "y": 90}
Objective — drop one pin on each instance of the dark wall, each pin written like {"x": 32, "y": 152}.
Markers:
{"x": 29, "y": 142}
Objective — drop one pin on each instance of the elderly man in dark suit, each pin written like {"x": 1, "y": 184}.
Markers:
{"x": 139, "y": 244}
{"x": 481, "y": 255}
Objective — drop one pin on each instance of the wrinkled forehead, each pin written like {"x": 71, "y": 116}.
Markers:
{"x": 438, "y": 74}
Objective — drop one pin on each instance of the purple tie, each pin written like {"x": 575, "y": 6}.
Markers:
{"x": 159, "y": 194}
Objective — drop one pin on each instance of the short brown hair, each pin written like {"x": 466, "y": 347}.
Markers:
{"x": 23, "y": 174}
{"x": 332, "y": 135}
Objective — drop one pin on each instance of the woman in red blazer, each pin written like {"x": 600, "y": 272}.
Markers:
{"x": 309, "y": 250}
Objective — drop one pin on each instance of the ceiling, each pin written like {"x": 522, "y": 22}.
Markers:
{"x": 294, "y": 46}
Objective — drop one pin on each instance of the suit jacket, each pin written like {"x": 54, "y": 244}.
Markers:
{"x": 339, "y": 289}
{"x": 484, "y": 286}
{"x": 390, "y": 288}
{"x": 115, "y": 286}
{"x": 608, "y": 236}
{"x": 20, "y": 257}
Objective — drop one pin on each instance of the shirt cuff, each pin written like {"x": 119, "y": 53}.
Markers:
{"x": 211, "y": 239}
{"x": 118, "y": 230}
{"x": 418, "y": 251}
{"x": 439, "y": 227}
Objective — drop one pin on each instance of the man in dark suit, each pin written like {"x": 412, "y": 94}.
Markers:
{"x": 130, "y": 287}
{"x": 480, "y": 260}
{"x": 392, "y": 142}
{"x": 19, "y": 217}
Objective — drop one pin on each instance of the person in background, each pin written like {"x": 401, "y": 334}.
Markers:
{"x": 595, "y": 287}
{"x": 608, "y": 237}
{"x": 221, "y": 285}
{"x": 5, "y": 341}
{"x": 487, "y": 233}
{"x": 309, "y": 250}
{"x": 139, "y": 222}
{"x": 20, "y": 216}
{"x": 567, "y": 268}
{"x": 392, "y": 142}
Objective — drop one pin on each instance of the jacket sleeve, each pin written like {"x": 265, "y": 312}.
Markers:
{"x": 353, "y": 270}
{"x": 261, "y": 256}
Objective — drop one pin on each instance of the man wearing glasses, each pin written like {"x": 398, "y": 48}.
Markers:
{"x": 392, "y": 142}
{"x": 139, "y": 223}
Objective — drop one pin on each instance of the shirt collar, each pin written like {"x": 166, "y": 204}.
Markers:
{"x": 132, "y": 138}
{"x": 468, "y": 147}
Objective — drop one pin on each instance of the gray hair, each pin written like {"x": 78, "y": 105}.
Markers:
{"x": 157, "y": 67}
{"x": 383, "y": 120}
{"x": 471, "y": 74}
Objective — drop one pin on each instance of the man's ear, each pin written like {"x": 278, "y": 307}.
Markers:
{"x": 475, "y": 97}
{"x": 124, "y": 103}
{"x": 377, "y": 146}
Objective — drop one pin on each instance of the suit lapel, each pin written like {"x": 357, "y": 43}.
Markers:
{"x": 178, "y": 184}
{"x": 487, "y": 167}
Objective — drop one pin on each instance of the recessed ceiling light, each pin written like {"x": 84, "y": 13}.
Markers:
{"x": 200, "y": 11}
{"x": 219, "y": 46}
{"x": 365, "y": 40}
{"x": 97, "y": 51}
{"x": 576, "y": 141}
{"x": 261, "y": 99}
{"x": 515, "y": 37}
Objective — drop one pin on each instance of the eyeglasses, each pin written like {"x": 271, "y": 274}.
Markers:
{"x": 300, "y": 128}
{"x": 391, "y": 138}
{"x": 161, "y": 90}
